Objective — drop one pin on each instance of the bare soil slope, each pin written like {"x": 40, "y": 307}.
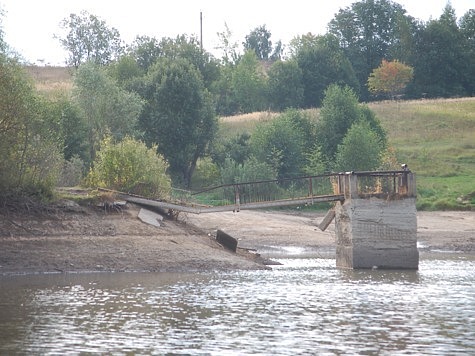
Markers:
{"x": 76, "y": 238}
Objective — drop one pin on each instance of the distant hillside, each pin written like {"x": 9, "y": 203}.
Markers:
{"x": 436, "y": 138}
{"x": 50, "y": 79}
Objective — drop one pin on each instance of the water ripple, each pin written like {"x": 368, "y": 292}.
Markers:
{"x": 305, "y": 306}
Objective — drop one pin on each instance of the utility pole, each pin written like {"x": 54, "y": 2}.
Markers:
{"x": 201, "y": 31}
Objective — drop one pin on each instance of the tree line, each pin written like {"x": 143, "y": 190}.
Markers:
{"x": 164, "y": 95}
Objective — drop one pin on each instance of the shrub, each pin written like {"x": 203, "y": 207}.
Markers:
{"x": 72, "y": 173}
{"x": 360, "y": 150}
{"x": 130, "y": 166}
{"x": 30, "y": 160}
{"x": 283, "y": 143}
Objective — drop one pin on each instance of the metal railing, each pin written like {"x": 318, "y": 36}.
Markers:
{"x": 270, "y": 193}
{"x": 288, "y": 192}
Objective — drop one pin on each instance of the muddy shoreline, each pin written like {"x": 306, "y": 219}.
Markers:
{"x": 72, "y": 238}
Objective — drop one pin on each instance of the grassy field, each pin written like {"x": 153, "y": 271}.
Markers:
{"x": 436, "y": 138}
{"x": 50, "y": 80}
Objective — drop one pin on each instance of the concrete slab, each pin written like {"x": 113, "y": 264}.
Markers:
{"x": 150, "y": 217}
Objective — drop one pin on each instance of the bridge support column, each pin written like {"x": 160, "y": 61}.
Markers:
{"x": 377, "y": 232}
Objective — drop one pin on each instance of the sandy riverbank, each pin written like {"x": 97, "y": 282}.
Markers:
{"x": 78, "y": 239}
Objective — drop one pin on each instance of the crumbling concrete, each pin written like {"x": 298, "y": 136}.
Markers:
{"x": 377, "y": 230}
{"x": 377, "y": 233}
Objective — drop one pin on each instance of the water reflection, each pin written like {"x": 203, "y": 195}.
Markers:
{"x": 303, "y": 306}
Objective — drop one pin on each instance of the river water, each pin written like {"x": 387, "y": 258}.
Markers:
{"x": 305, "y": 306}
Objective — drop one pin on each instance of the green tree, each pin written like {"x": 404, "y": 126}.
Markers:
{"x": 125, "y": 70}
{"x": 3, "y": 45}
{"x": 145, "y": 50}
{"x": 178, "y": 115}
{"x": 360, "y": 150}
{"x": 316, "y": 162}
{"x": 323, "y": 62}
{"x": 235, "y": 148}
{"x": 258, "y": 40}
{"x": 250, "y": 171}
{"x": 390, "y": 78}
{"x": 285, "y": 87}
{"x": 249, "y": 84}
{"x": 339, "y": 112}
{"x": 283, "y": 143}
{"x": 30, "y": 158}
{"x": 225, "y": 96}
{"x": 189, "y": 48}
{"x": 467, "y": 27}
{"x": 440, "y": 65}
{"x": 107, "y": 108}
{"x": 367, "y": 31}
{"x": 130, "y": 166}
{"x": 227, "y": 46}
{"x": 403, "y": 47}
{"x": 73, "y": 129}
{"x": 89, "y": 38}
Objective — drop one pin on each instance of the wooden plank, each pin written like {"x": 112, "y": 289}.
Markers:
{"x": 327, "y": 219}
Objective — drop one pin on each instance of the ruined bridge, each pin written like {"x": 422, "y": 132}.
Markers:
{"x": 374, "y": 212}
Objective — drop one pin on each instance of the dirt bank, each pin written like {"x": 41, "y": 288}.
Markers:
{"x": 74, "y": 238}
{"x": 293, "y": 231}
{"x": 71, "y": 238}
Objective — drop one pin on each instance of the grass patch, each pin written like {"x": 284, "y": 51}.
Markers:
{"x": 436, "y": 138}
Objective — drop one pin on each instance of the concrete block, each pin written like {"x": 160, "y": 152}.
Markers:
{"x": 377, "y": 233}
{"x": 226, "y": 240}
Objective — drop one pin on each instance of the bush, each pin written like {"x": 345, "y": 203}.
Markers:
{"x": 251, "y": 171}
{"x": 130, "y": 166}
{"x": 72, "y": 173}
{"x": 283, "y": 143}
{"x": 360, "y": 150}
{"x": 30, "y": 160}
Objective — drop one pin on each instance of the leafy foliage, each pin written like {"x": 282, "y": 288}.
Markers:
{"x": 283, "y": 142}
{"x": 259, "y": 42}
{"x": 249, "y": 84}
{"x": 316, "y": 162}
{"x": 252, "y": 170}
{"x": 390, "y": 78}
{"x": 323, "y": 63}
{"x": 360, "y": 149}
{"x": 107, "y": 108}
{"x": 235, "y": 148}
{"x": 339, "y": 112}
{"x": 367, "y": 31}
{"x": 30, "y": 159}
{"x": 442, "y": 63}
{"x": 130, "y": 166}
{"x": 90, "y": 39}
{"x": 228, "y": 46}
{"x": 285, "y": 87}
{"x": 178, "y": 115}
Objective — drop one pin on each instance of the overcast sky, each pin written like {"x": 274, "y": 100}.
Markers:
{"x": 29, "y": 25}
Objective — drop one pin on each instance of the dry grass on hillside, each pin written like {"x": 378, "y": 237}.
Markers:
{"x": 261, "y": 116}
{"x": 51, "y": 79}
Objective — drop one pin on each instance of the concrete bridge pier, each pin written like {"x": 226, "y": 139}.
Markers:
{"x": 377, "y": 231}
